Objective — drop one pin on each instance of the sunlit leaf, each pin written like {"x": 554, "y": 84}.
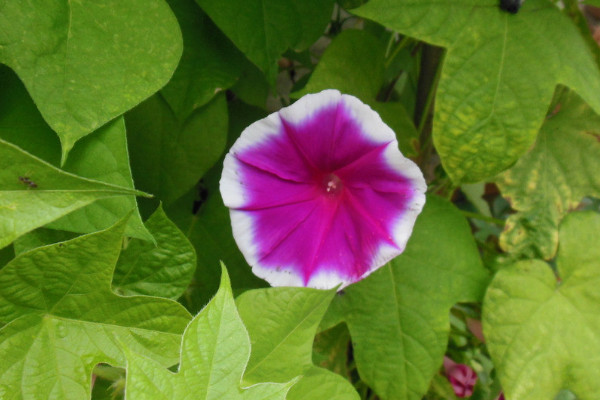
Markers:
{"x": 60, "y": 318}
{"x": 214, "y": 352}
{"x": 34, "y": 193}
{"x": 101, "y": 156}
{"x": 541, "y": 328}
{"x": 86, "y": 62}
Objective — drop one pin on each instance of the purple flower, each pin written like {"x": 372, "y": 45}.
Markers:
{"x": 319, "y": 194}
{"x": 461, "y": 377}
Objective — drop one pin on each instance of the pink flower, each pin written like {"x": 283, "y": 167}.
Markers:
{"x": 461, "y": 377}
{"x": 319, "y": 194}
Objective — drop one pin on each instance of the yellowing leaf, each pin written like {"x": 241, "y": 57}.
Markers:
{"x": 551, "y": 179}
{"x": 543, "y": 332}
{"x": 498, "y": 76}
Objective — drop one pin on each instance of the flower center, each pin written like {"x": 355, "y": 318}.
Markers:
{"x": 332, "y": 184}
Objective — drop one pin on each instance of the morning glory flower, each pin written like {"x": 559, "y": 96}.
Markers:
{"x": 319, "y": 193}
{"x": 462, "y": 377}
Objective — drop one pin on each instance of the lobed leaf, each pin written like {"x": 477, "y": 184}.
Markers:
{"x": 282, "y": 334}
{"x": 541, "y": 328}
{"x": 60, "y": 319}
{"x": 214, "y": 352}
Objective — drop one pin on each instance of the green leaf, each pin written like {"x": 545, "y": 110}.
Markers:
{"x": 544, "y": 330}
{"x": 89, "y": 62}
{"x": 103, "y": 156}
{"x": 354, "y": 64}
{"x": 551, "y": 179}
{"x": 398, "y": 316}
{"x": 214, "y": 352}
{"x": 313, "y": 16}
{"x": 319, "y": 383}
{"x": 264, "y": 29}
{"x": 21, "y": 122}
{"x": 35, "y": 193}
{"x": 164, "y": 269}
{"x": 330, "y": 349}
{"x": 41, "y": 237}
{"x": 100, "y": 156}
{"x": 492, "y": 95}
{"x": 210, "y": 62}
{"x": 209, "y": 230}
{"x": 61, "y": 319}
{"x": 169, "y": 156}
{"x": 282, "y": 334}
{"x": 261, "y": 29}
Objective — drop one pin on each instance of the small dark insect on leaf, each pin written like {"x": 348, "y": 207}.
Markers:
{"x": 510, "y": 6}
{"x": 28, "y": 182}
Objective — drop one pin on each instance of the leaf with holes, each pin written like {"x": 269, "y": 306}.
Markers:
{"x": 60, "y": 318}
{"x": 498, "y": 76}
{"x": 542, "y": 332}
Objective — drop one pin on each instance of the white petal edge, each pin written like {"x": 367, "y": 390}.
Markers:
{"x": 371, "y": 124}
{"x": 309, "y": 104}
{"x": 278, "y": 277}
{"x": 231, "y": 186}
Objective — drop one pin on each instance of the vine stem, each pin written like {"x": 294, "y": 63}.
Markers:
{"x": 401, "y": 45}
{"x": 481, "y": 217}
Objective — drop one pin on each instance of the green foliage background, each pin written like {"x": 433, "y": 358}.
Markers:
{"x": 115, "y": 116}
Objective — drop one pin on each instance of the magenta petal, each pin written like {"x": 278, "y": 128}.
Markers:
{"x": 319, "y": 193}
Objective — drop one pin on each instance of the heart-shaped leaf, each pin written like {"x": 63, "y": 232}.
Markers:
{"x": 398, "y": 316}
{"x": 498, "y": 76}
{"x": 86, "y": 62}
